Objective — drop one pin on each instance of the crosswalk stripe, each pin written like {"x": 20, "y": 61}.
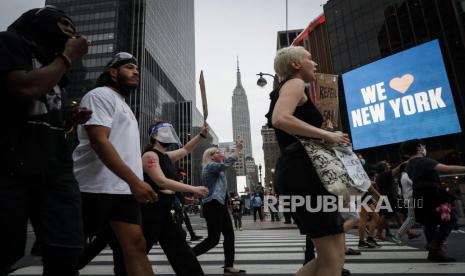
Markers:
{"x": 273, "y": 269}
{"x": 281, "y": 252}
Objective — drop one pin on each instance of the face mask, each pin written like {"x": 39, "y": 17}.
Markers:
{"x": 363, "y": 162}
{"x": 423, "y": 151}
{"x": 219, "y": 158}
{"x": 41, "y": 26}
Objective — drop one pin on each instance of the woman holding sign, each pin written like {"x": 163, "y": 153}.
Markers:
{"x": 293, "y": 113}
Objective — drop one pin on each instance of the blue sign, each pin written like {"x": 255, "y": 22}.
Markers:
{"x": 401, "y": 97}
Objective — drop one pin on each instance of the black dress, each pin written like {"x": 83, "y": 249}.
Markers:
{"x": 295, "y": 174}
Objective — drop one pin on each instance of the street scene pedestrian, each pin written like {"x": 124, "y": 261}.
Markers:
{"x": 215, "y": 208}
{"x": 437, "y": 214}
{"x": 215, "y": 137}
{"x": 160, "y": 223}
{"x": 293, "y": 113}
{"x": 37, "y": 179}
{"x": 108, "y": 169}
{"x": 237, "y": 208}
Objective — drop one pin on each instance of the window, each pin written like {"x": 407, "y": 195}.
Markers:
{"x": 102, "y": 48}
{"x": 91, "y": 27}
{"x": 98, "y": 37}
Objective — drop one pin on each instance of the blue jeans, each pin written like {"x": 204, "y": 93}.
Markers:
{"x": 237, "y": 216}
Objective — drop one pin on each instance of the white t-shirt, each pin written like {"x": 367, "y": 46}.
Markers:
{"x": 407, "y": 188}
{"x": 108, "y": 109}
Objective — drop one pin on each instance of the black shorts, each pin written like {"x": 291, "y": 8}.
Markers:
{"x": 100, "y": 209}
{"x": 296, "y": 175}
{"x": 53, "y": 201}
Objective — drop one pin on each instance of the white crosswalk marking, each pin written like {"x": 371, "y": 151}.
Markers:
{"x": 281, "y": 252}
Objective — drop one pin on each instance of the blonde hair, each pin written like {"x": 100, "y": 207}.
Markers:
{"x": 207, "y": 155}
{"x": 284, "y": 58}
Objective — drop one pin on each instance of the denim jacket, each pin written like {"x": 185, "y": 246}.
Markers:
{"x": 214, "y": 179}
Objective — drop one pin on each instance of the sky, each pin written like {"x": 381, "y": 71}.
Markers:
{"x": 225, "y": 30}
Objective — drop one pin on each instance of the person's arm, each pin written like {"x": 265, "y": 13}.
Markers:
{"x": 38, "y": 82}
{"x": 175, "y": 155}
{"x": 372, "y": 190}
{"x": 290, "y": 95}
{"x": 100, "y": 143}
{"x": 396, "y": 171}
{"x": 448, "y": 169}
{"x": 215, "y": 167}
{"x": 152, "y": 168}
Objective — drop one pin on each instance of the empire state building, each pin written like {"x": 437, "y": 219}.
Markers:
{"x": 240, "y": 116}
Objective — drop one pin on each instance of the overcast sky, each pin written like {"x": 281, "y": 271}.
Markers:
{"x": 226, "y": 29}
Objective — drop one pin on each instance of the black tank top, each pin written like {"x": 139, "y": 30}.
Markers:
{"x": 306, "y": 112}
{"x": 166, "y": 166}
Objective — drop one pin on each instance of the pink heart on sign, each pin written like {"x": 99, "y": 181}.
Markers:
{"x": 402, "y": 84}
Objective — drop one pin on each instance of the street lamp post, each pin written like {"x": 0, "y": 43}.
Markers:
{"x": 262, "y": 81}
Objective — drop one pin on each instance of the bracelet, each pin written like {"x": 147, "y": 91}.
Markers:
{"x": 203, "y": 136}
{"x": 66, "y": 60}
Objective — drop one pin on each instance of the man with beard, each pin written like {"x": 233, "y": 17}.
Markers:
{"x": 36, "y": 169}
{"x": 108, "y": 165}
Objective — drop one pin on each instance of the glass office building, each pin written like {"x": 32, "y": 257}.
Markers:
{"x": 363, "y": 31}
{"x": 161, "y": 35}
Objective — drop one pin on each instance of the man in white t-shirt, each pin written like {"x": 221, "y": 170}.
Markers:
{"x": 108, "y": 165}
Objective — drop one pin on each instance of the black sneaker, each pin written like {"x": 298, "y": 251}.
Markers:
{"x": 345, "y": 272}
{"x": 364, "y": 244}
{"x": 351, "y": 251}
{"x": 372, "y": 241}
{"x": 238, "y": 272}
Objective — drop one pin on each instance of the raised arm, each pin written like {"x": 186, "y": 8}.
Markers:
{"x": 215, "y": 167}
{"x": 37, "y": 83}
{"x": 152, "y": 168}
{"x": 448, "y": 169}
{"x": 175, "y": 155}
{"x": 396, "y": 171}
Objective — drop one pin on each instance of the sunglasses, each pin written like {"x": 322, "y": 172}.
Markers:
{"x": 118, "y": 57}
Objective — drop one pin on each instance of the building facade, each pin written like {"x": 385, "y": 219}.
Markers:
{"x": 161, "y": 35}
{"x": 363, "y": 31}
{"x": 271, "y": 154}
{"x": 231, "y": 175}
{"x": 315, "y": 39}
{"x": 285, "y": 38}
{"x": 251, "y": 172}
{"x": 241, "y": 117}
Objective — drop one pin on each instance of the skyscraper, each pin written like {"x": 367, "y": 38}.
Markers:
{"x": 240, "y": 116}
{"x": 161, "y": 35}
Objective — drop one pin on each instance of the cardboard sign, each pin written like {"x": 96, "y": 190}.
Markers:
{"x": 204, "y": 96}
{"x": 354, "y": 168}
{"x": 326, "y": 97}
